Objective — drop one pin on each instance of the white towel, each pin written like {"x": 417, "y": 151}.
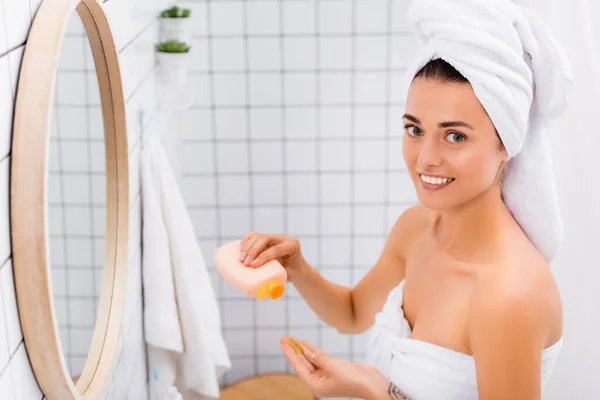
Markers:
{"x": 182, "y": 322}
{"x": 521, "y": 76}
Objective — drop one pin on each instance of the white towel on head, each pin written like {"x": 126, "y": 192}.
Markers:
{"x": 521, "y": 76}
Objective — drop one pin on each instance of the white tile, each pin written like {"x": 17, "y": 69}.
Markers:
{"x": 81, "y": 338}
{"x": 268, "y": 341}
{"x": 17, "y": 22}
{"x": 72, "y": 123}
{"x": 24, "y": 384}
{"x": 74, "y": 156}
{"x": 81, "y": 282}
{"x": 78, "y": 220}
{"x": 394, "y": 212}
{"x": 265, "y": 123}
{"x": 6, "y": 385}
{"x": 230, "y": 124}
{"x": 370, "y": 122}
{"x": 6, "y": 111}
{"x": 404, "y": 48}
{"x": 119, "y": 15}
{"x": 300, "y": 122}
{"x": 59, "y": 280}
{"x": 199, "y": 190}
{"x": 229, "y": 89}
{"x": 72, "y": 53}
{"x": 369, "y": 220}
{"x": 228, "y": 54}
{"x": 239, "y": 342}
{"x": 240, "y": 369}
{"x": 335, "y": 87}
{"x": 75, "y": 188}
{"x": 237, "y": 313}
{"x": 397, "y": 89}
{"x": 267, "y": 189}
{"x": 82, "y": 311}
{"x": 226, "y": 18}
{"x": 198, "y": 157}
{"x": 262, "y": 17}
{"x": 268, "y": 220}
{"x": 371, "y": 15}
{"x": 396, "y": 127}
{"x": 302, "y": 221}
{"x": 310, "y": 248}
{"x": 300, "y": 314}
{"x": 198, "y": 13}
{"x": 371, "y": 52}
{"x": 195, "y": 124}
{"x": 14, "y": 62}
{"x": 301, "y": 189}
{"x": 367, "y": 250}
{"x": 234, "y": 190}
{"x": 335, "y": 16}
{"x": 98, "y": 189}
{"x": 5, "y": 242}
{"x": 265, "y": 89}
{"x": 401, "y": 188}
{"x": 232, "y": 157}
{"x": 56, "y": 220}
{"x": 335, "y": 156}
{"x": 299, "y": 17}
{"x": 98, "y": 156}
{"x": 300, "y": 156}
{"x": 134, "y": 175}
{"x": 70, "y": 88}
{"x": 204, "y": 221}
{"x": 4, "y": 353}
{"x": 54, "y": 187}
{"x": 369, "y": 187}
{"x": 135, "y": 232}
{"x": 371, "y": 87}
{"x": 334, "y": 342}
{"x": 335, "y": 220}
{"x": 199, "y": 60}
{"x": 234, "y": 222}
{"x": 271, "y": 313}
{"x": 335, "y": 252}
{"x": 201, "y": 88}
{"x": 335, "y": 188}
{"x": 358, "y": 272}
{"x": 300, "y": 53}
{"x": 335, "y": 122}
{"x": 79, "y": 252}
{"x": 340, "y": 276}
{"x": 9, "y": 299}
{"x": 335, "y": 52}
{"x": 300, "y": 88}
{"x": 395, "y": 158}
{"x": 369, "y": 155}
{"x": 399, "y": 11}
{"x": 266, "y": 156}
{"x": 272, "y": 364}
{"x": 264, "y": 53}
{"x": 57, "y": 251}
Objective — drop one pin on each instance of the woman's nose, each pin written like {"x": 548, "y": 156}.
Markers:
{"x": 429, "y": 154}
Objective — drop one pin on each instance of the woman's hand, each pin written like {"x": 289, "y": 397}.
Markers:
{"x": 258, "y": 248}
{"x": 332, "y": 377}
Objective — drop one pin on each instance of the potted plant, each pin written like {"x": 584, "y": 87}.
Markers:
{"x": 173, "y": 58}
{"x": 175, "y": 24}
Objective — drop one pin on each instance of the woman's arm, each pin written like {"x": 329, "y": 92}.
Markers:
{"x": 507, "y": 333}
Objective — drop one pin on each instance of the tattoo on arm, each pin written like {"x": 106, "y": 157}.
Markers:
{"x": 395, "y": 393}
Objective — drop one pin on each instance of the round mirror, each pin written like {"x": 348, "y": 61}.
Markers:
{"x": 69, "y": 199}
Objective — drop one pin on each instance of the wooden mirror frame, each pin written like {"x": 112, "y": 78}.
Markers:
{"x": 29, "y": 195}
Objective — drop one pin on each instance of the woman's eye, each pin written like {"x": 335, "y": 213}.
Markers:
{"x": 415, "y": 131}
{"x": 457, "y": 137}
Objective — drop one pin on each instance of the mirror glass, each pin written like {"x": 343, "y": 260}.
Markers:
{"x": 76, "y": 196}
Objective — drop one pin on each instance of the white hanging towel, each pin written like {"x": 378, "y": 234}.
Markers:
{"x": 181, "y": 314}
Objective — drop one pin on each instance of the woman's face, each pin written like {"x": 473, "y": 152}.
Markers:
{"x": 448, "y": 134}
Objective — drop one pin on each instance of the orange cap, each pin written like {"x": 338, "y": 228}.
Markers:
{"x": 272, "y": 288}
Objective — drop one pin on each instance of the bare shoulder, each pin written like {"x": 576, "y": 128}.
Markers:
{"x": 411, "y": 222}
{"x": 521, "y": 291}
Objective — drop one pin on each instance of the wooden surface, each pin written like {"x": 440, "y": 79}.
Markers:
{"x": 29, "y": 231}
{"x": 268, "y": 387}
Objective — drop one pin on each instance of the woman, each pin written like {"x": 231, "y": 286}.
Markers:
{"x": 461, "y": 301}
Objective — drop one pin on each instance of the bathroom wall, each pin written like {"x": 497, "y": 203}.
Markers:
{"x": 295, "y": 128}
{"x": 135, "y": 29}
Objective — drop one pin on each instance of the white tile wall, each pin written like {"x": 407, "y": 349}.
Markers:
{"x": 135, "y": 29}
{"x": 296, "y": 129}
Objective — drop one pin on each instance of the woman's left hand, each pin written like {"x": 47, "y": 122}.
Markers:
{"x": 327, "y": 376}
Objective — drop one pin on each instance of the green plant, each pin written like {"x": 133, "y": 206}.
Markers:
{"x": 173, "y": 46}
{"x": 175, "y": 12}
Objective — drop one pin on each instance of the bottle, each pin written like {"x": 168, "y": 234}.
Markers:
{"x": 266, "y": 280}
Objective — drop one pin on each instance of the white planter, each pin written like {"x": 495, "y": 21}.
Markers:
{"x": 176, "y": 29}
{"x": 173, "y": 68}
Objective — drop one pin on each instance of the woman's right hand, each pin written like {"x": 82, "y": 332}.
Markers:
{"x": 256, "y": 249}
